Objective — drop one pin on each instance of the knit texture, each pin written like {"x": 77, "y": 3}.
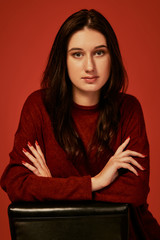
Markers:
{"x": 72, "y": 181}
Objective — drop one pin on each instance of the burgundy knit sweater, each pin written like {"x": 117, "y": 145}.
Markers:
{"x": 72, "y": 181}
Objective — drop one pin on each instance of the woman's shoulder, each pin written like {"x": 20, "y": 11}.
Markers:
{"x": 128, "y": 98}
{"x": 34, "y": 102}
{"x": 131, "y": 110}
{"x": 35, "y": 96}
{"x": 128, "y": 102}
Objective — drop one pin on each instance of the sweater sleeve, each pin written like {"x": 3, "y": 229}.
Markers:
{"x": 129, "y": 188}
{"x": 20, "y": 183}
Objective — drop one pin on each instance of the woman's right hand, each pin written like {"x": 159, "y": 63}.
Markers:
{"x": 39, "y": 167}
{"x": 121, "y": 159}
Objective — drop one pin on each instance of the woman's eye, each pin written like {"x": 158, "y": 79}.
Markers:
{"x": 77, "y": 54}
{"x": 99, "y": 53}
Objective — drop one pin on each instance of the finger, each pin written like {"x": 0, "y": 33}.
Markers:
{"x": 39, "y": 150}
{"x": 132, "y": 161}
{"x": 131, "y": 153}
{"x": 31, "y": 168}
{"x": 122, "y": 146}
{"x": 129, "y": 167}
{"x": 35, "y": 153}
{"x": 45, "y": 167}
{"x": 31, "y": 158}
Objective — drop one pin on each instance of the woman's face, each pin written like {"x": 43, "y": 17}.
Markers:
{"x": 88, "y": 63}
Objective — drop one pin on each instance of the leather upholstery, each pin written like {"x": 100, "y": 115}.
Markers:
{"x": 64, "y": 220}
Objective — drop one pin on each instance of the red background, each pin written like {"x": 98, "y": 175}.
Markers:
{"x": 27, "y": 30}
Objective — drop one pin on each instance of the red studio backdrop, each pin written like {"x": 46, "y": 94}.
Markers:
{"x": 27, "y": 30}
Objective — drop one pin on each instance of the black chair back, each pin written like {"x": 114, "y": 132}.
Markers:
{"x": 84, "y": 220}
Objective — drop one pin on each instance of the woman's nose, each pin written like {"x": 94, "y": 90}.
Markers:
{"x": 89, "y": 64}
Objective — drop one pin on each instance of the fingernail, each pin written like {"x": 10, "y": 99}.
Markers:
{"x": 128, "y": 138}
{"x": 37, "y": 143}
{"x": 143, "y": 168}
{"x": 23, "y": 162}
{"x": 144, "y": 155}
{"x": 24, "y": 150}
{"x": 29, "y": 144}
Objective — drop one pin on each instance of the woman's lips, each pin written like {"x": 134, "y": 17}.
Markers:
{"x": 90, "y": 79}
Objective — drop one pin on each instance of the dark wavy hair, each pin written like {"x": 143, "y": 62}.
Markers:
{"x": 58, "y": 87}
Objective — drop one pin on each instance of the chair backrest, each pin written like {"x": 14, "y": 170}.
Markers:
{"x": 68, "y": 220}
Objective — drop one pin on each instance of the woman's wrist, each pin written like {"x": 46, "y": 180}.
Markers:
{"x": 96, "y": 183}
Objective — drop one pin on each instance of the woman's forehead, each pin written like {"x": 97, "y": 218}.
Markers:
{"x": 86, "y": 38}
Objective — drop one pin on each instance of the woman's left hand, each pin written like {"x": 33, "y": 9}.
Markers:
{"x": 39, "y": 166}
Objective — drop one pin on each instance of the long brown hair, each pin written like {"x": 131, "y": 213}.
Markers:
{"x": 58, "y": 87}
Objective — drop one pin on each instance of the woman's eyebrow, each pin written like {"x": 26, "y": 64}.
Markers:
{"x": 73, "y": 49}
{"x": 101, "y": 46}
{"x": 81, "y": 49}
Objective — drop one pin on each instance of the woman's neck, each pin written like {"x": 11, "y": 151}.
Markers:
{"x": 86, "y": 99}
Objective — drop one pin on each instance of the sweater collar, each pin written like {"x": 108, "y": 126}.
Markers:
{"x": 81, "y": 107}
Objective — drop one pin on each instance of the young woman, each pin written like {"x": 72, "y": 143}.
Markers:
{"x": 81, "y": 137}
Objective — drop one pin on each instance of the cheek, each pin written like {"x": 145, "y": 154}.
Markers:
{"x": 73, "y": 68}
{"x": 105, "y": 68}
